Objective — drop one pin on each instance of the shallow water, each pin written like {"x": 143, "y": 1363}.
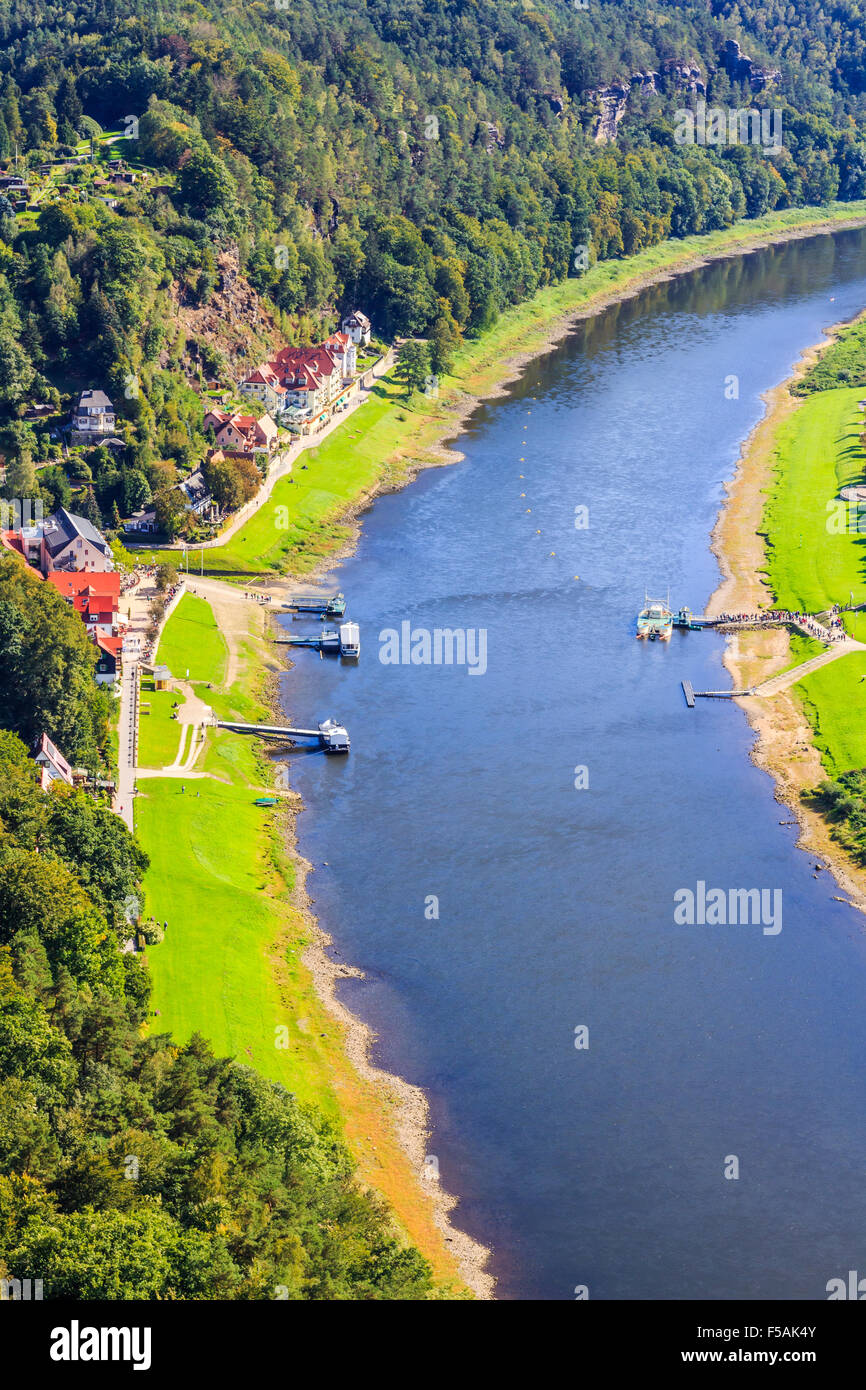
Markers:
{"x": 605, "y": 1166}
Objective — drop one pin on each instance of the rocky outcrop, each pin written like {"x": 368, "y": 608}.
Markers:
{"x": 613, "y": 100}
{"x": 741, "y": 68}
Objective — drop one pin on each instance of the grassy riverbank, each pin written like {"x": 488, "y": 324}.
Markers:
{"x": 784, "y": 540}
{"x": 308, "y": 518}
{"x": 232, "y": 965}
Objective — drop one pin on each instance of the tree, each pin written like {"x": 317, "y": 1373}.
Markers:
{"x": 166, "y": 577}
{"x": 413, "y": 365}
{"x": 91, "y": 509}
{"x": 46, "y": 667}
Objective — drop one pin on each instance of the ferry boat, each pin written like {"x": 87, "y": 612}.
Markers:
{"x": 655, "y": 621}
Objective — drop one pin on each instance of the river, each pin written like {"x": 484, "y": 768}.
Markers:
{"x": 603, "y": 1165}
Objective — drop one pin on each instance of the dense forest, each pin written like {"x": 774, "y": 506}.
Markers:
{"x": 432, "y": 162}
{"x": 131, "y": 1167}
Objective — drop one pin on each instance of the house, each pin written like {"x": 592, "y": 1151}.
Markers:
{"x": 53, "y": 765}
{"x": 93, "y": 419}
{"x": 109, "y": 665}
{"x": 264, "y": 385}
{"x": 25, "y": 541}
{"x": 143, "y": 521}
{"x": 95, "y": 597}
{"x": 196, "y": 495}
{"x": 242, "y": 434}
{"x": 305, "y": 385}
{"x": 73, "y": 543}
{"x": 358, "y": 327}
{"x": 344, "y": 352}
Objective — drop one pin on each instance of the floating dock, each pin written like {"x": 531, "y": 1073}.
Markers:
{"x": 692, "y": 695}
{"x": 322, "y": 605}
{"x": 346, "y": 640}
{"x": 330, "y": 735}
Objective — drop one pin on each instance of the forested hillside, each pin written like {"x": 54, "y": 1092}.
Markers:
{"x": 432, "y": 161}
{"x": 131, "y": 1167}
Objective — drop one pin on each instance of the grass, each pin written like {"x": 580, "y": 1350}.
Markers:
{"x": 834, "y": 702}
{"x": 191, "y": 645}
{"x": 214, "y": 880}
{"x": 802, "y": 649}
{"x": 158, "y": 734}
{"x": 302, "y": 521}
{"x": 817, "y": 451}
{"x": 812, "y": 564}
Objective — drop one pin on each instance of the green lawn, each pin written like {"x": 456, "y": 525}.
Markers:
{"x": 834, "y": 700}
{"x": 209, "y": 879}
{"x": 158, "y": 733}
{"x": 811, "y": 564}
{"x": 817, "y": 452}
{"x": 802, "y": 649}
{"x": 191, "y": 642}
{"x": 219, "y": 876}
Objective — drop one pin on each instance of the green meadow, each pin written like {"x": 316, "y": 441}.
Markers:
{"x": 811, "y": 562}
{"x": 191, "y": 645}
{"x": 220, "y": 878}
{"x": 816, "y": 558}
{"x": 158, "y": 734}
{"x": 834, "y": 700}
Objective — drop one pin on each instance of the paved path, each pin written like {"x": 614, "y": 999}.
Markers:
{"x": 128, "y": 750}
{"x": 776, "y": 684}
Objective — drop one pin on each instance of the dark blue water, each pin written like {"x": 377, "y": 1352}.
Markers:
{"x": 605, "y": 1166}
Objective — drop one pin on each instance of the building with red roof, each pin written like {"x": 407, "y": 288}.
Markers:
{"x": 95, "y": 597}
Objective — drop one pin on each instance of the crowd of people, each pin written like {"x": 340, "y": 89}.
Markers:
{"x": 833, "y": 628}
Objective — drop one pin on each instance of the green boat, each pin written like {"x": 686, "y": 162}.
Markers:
{"x": 265, "y": 801}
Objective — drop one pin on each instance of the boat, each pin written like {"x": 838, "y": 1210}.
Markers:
{"x": 324, "y": 605}
{"x": 350, "y": 640}
{"x": 265, "y": 801}
{"x": 655, "y": 621}
{"x": 686, "y": 618}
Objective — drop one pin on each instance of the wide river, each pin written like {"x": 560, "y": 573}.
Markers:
{"x": 600, "y": 1165}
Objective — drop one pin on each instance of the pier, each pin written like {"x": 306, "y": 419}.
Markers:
{"x": 346, "y": 640}
{"x": 692, "y": 695}
{"x": 330, "y": 735}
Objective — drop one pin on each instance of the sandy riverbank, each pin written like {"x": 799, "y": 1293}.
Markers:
{"x": 784, "y": 746}
{"x": 484, "y": 380}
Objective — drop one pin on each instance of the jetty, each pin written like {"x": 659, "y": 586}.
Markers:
{"x": 692, "y": 695}
{"x": 329, "y": 734}
{"x": 321, "y": 605}
{"x": 346, "y": 640}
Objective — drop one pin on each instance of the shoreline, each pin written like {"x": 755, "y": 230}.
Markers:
{"x": 784, "y": 745}
{"x": 486, "y": 380}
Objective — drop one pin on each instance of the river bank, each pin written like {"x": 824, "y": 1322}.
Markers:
{"x": 311, "y": 518}
{"x": 785, "y": 745}
{"x": 418, "y": 440}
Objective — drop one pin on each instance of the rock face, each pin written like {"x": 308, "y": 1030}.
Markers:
{"x": 741, "y": 68}
{"x": 613, "y": 100}
{"x": 233, "y": 321}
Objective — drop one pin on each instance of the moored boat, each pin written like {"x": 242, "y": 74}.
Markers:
{"x": 655, "y": 621}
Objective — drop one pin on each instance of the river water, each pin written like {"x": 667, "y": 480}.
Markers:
{"x": 603, "y": 1165}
